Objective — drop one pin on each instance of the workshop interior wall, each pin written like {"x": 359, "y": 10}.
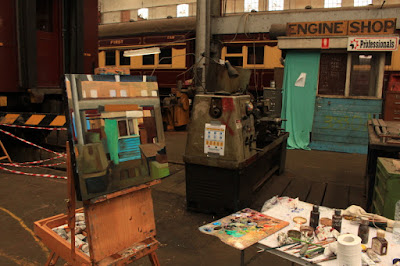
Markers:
{"x": 340, "y": 124}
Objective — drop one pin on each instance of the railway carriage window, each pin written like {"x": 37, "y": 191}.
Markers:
{"x": 235, "y": 60}
{"x": 148, "y": 60}
{"x": 255, "y": 56}
{"x": 165, "y": 56}
{"x": 124, "y": 61}
{"x": 110, "y": 58}
{"x": 234, "y": 49}
{"x": 44, "y": 15}
{"x": 182, "y": 10}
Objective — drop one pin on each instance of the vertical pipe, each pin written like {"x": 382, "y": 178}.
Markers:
{"x": 77, "y": 113}
{"x": 201, "y": 43}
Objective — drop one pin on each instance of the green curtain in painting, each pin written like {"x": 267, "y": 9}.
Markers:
{"x": 299, "y": 93}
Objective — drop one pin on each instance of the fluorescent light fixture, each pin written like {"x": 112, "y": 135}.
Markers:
{"x": 139, "y": 52}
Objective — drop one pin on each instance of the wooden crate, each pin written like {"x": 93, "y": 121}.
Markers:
{"x": 387, "y": 188}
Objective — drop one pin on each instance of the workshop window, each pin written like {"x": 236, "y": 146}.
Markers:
{"x": 110, "y": 58}
{"x": 234, "y": 60}
{"x": 275, "y": 5}
{"x": 234, "y": 54}
{"x": 255, "y": 55}
{"x": 123, "y": 60}
{"x": 332, "y": 3}
{"x": 143, "y": 13}
{"x": 148, "y": 60}
{"x": 182, "y": 10}
{"x": 332, "y": 74}
{"x": 165, "y": 56}
{"x": 362, "y": 2}
{"x": 250, "y": 5}
{"x": 364, "y": 73}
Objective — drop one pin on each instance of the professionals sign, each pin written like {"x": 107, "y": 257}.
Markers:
{"x": 372, "y": 43}
{"x": 341, "y": 28}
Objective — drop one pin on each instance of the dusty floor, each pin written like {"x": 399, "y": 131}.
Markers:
{"x": 33, "y": 198}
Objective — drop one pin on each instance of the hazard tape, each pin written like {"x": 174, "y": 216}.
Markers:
{"x": 31, "y": 166}
{"x": 45, "y": 160}
{"x": 30, "y": 143}
{"x": 31, "y": 127}
{"x": 28, "y": 119}
{"x": 31, "y": 174}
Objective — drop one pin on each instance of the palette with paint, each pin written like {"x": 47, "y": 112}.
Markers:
{"x": 243, "y": 228}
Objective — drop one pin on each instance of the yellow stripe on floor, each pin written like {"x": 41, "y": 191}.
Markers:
{"x": 34, "y": 119}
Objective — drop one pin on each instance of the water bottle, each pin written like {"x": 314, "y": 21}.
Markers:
{"x": 396, "y": 225}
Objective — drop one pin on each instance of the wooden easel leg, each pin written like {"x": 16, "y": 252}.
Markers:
{"x": 52, "y": 260}
{"x": 5, "y": 152}
{"x": 154, "y": 259}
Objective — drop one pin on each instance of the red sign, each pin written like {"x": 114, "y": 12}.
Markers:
{"x": 325, "y": 43}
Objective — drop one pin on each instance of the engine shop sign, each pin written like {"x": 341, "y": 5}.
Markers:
{"x": 342, "y": 27}
{"x": 372, "y": 44}
{"x": 214, "y": 139}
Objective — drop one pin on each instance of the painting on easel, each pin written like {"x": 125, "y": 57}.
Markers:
{"x": 116, "y": 132}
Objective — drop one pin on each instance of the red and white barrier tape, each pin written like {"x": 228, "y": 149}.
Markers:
{"x": 31, "y": 166}
{"x": 31, "y": 174}
{"x": 32, "y": 127}
{"x": 30, "y": 143}
{"x": 45, "y": 160}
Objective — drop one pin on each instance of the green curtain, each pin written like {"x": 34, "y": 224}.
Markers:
{"x": 299, "y": 102}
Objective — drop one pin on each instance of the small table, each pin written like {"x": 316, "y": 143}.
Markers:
{"x": 282, "y": 210}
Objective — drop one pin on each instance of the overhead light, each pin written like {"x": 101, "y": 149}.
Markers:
{"x": 139, "y": 52}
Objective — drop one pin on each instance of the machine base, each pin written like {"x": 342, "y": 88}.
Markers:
{"x": 223, "y": 191}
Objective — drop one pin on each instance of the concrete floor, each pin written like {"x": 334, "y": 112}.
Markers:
{"x": 34, "y": 198}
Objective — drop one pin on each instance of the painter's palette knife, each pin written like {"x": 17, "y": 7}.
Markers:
{"x": 244, "y": 228}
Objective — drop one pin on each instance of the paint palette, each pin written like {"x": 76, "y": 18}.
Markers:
{"x": 243, "y": 228}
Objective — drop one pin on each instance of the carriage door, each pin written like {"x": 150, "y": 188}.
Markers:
{"x": 48, "y": 43}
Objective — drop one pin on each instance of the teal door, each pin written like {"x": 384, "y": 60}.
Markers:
{"x": 299, "y": 93}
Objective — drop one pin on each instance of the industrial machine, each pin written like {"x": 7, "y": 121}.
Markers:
{"x": 233, "y": 146}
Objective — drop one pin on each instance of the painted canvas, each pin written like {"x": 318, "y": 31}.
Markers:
{"x": 115, "y": 132}
{"x": 243, "y": 228}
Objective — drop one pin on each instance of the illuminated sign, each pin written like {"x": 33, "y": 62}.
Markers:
{"x": 340, "y": 28}
{"x": 372, "y": 43}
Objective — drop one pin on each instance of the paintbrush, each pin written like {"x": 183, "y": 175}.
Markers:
{"x": 324, "y": 259}
{"x": 296, "y": 239}
{"x": 323, "y": 243}
{"x": 292, "y": 247}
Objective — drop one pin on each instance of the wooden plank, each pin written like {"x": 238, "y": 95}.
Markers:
{"x": 298, "y": 188}
{"x": 120, "y": 107}
{"x": 317, "y": 192}
{"x": 336, "y": 196}
{"x": 113, "y": 225}
{"x": 357, "y": 197}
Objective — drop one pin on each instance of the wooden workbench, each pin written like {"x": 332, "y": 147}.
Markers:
{"x": 378, "y": 148}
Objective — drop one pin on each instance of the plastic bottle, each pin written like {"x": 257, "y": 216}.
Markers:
{"x": 396, "y": 225}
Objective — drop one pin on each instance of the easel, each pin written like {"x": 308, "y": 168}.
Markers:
{"x": 5, "y": 152}
{"x": 120, "y": 227}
